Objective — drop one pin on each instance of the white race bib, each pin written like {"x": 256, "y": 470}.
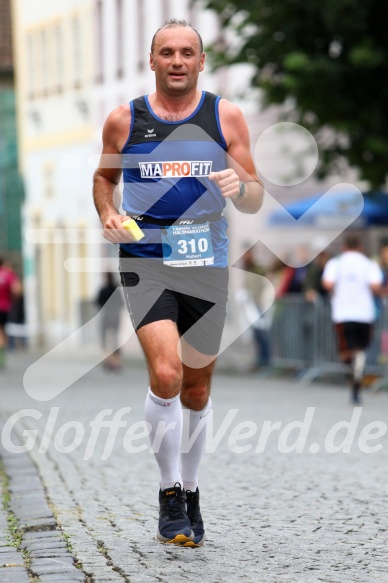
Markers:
{"x": 187, "y": 245}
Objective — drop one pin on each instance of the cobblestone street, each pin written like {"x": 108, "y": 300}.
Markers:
{"x": 305, "y": 515}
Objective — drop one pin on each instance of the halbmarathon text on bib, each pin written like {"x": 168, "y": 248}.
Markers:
{"x": 176, "y": 169}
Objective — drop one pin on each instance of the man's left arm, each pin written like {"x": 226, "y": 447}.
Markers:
{"x": 376, "y": 279}
{"x": 239, "y": 182}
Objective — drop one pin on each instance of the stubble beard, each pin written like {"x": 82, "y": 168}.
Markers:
{"x": 179, "y": 89}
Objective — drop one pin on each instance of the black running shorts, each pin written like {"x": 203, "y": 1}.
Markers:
{"x": 192, "y": 297}
{"x": 353, "y": 335}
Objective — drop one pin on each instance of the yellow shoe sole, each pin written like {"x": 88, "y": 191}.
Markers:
{"x": 192, "y": 544}
{"x": 180, "y": 540}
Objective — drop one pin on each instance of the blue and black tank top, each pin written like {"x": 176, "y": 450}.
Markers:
{"x": 165, "y": 171}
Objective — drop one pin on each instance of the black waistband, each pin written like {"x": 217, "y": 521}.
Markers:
{"x": 179, "y": 221}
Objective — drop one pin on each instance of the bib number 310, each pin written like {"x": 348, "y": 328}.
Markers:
{"x": 187, "y": 245}
{"x": 192, "y": 246}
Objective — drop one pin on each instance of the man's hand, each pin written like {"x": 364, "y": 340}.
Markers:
{"x": 114, "y": 231}
{"x": 228, "y": 182}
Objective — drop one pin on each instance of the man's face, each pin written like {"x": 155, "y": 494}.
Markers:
{"x": 176, "y": 60}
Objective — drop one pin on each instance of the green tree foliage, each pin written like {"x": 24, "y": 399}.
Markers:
{"x": 330, "y": 58}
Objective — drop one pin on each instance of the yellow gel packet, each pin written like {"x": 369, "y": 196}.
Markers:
{"x": 133, "y": 228}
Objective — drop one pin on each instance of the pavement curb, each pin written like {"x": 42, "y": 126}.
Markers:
{"x": 32, "y": 547}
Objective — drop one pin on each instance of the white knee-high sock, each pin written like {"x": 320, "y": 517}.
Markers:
{"x": 165, "y": 417}
{"x": 193, "y": 443}
{"x": 359, "y": 361}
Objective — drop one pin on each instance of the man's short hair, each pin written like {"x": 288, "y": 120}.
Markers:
{"x": 352, "y": 242}
{"x": 174, "y": 23}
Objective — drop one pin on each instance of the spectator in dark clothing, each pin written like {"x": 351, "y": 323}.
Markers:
{"x": 257, "y": 290}
{"x": 384, "y": 269}
{"x": 9, "y": 290}
{"x": 17, "y": 331}
{"x": 312, "y": 287}
{"x": 110, "y": 301}
{"x": 293, "y": 278}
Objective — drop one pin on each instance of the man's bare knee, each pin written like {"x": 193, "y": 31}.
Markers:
{"x": 195, "y": 396}
{"x": 166, "y": 380}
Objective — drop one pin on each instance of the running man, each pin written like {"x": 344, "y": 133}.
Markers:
{"x": 183, "y": 153}
{"x": 353, "y": 280}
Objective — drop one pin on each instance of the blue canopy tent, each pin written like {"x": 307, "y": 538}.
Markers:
{"x": 333, "y": 208}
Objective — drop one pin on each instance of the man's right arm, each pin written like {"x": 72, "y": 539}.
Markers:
{"x": 108, "y": 173}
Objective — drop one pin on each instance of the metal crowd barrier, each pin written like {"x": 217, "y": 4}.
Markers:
{"x": 303, "y": 338}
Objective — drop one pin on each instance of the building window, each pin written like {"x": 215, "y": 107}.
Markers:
{"x": 192, "y": 16}
{"x": 59, "y": 58}
{"x": 50, "y": 280}
{"x": 99, "y": 49}
{"x": 141, "y": 51}
{"x": 165, "y": 10}
{"x": 119, "y": 39}
{"x": 31, "y": 65}
{"x": 44, "y": 56}
{"x": 77, "y": 51}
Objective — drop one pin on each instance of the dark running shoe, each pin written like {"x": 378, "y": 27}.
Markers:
{"x": 194, "y": 514}
{"x": 356, "y": 393}
{"x": 174, "y": 524}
